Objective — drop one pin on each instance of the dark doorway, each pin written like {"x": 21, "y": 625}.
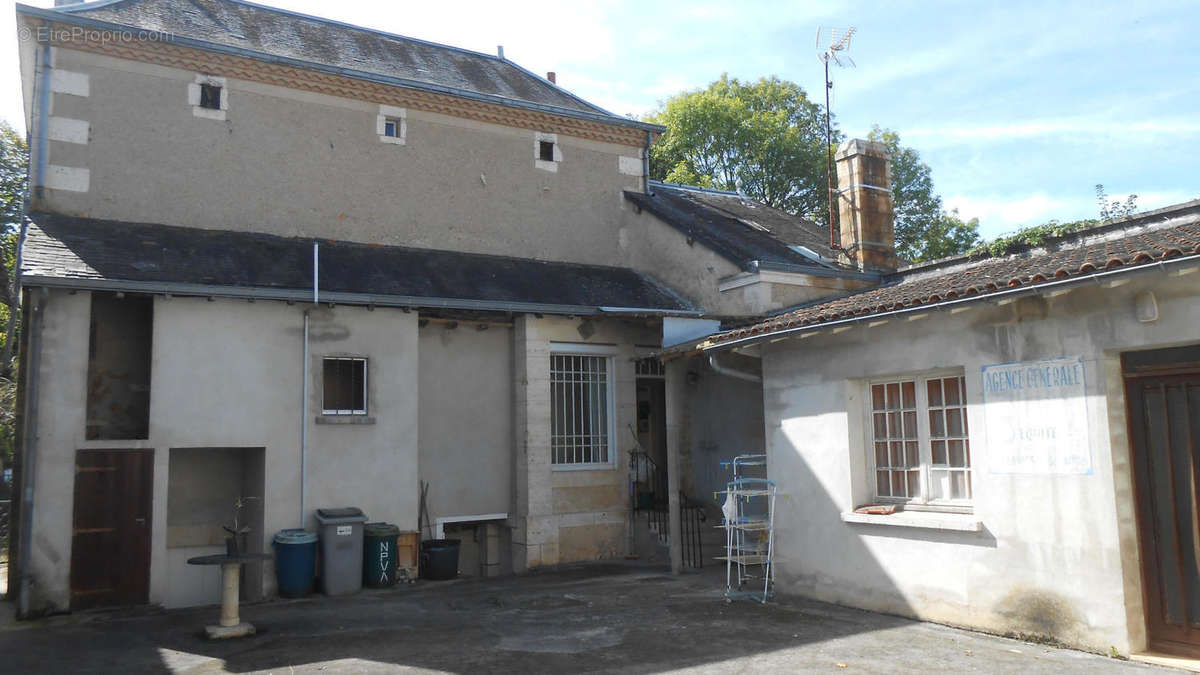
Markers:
{"x": 119, "y": 354}
{"x": 1162, "y": 389}
{"x": 652, "y": 418}
{"x": 110, "y": 543}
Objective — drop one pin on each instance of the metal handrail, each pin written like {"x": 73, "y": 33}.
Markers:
{"x": 691, "y": 512}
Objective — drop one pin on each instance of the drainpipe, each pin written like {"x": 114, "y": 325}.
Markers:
{"x": 732, "y": 372}
{"x": 646, "y": 164}
{"x": 303, "y": 421}
{"x": 29, "y": 465}
{"x": 304, "y": 394}
{"x": 42, "y": 80}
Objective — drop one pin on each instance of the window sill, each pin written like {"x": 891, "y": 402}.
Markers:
{"x": 929, "y": 520}
{"x": 583, "y": 467}
{"x": 345, "y": 419}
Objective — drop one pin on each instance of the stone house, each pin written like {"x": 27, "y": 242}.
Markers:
{"x": 277, "y": 256}
{"x": 286, "y": 259}
{"x": 1035, "y": 417}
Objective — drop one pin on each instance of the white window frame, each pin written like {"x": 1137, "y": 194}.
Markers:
{"x": 366, "y": 376}
{"x": 194, "y": 97}
{"x": 399, "y": 117}
{"x": 924, "y": 502}
{"x": 609, "y": 353}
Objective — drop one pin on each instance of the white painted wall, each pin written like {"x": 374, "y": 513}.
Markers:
{"x": 1057, "y": 554}
{"x": 228, "y": 374}
{"x": 466, "y": 412}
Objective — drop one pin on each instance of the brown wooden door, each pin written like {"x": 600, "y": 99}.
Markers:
{"x": 1164, "y": 416}
{"x": 110, "y": 546}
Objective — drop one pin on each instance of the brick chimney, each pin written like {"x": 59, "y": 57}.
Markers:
{"x": 552, "y": 77}
{"x": 865, "y": 215}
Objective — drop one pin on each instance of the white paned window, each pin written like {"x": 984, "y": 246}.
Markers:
{"x": 581, "y": 403}
{"x": 918, "y": 430}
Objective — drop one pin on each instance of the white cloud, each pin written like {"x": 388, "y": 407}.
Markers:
{"x": 1050, "y": 127}
{"x": 999, "y": 214}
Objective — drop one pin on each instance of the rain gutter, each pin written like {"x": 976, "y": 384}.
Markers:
{"x": 344, "y": 298}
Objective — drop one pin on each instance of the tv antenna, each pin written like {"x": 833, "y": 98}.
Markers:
{"x": 836, "y": 52}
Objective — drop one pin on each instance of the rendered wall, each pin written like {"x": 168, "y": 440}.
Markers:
{"x": 1057, "y": 556}
{"x": 295, "y": 163}
{"x": 466, "y": 411}
{"x": 725, "y": 420}
{"x": 227, "y": 374}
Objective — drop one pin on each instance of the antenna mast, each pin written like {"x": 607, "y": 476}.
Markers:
{"x": 836, "y": 45}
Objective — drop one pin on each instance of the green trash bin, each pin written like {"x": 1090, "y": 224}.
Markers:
{"x": 379, "y": 554}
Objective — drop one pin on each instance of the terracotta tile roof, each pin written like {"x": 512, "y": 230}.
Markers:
{"x": 1148, "y": 238}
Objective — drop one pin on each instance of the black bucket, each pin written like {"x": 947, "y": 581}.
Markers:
{"x": 439, "y": 559}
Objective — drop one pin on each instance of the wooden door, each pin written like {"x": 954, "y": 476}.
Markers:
{"x": 1164, "y": 429}
{"x": 110, "y": 544}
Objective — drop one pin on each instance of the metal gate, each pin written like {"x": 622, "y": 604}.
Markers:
{"x": 1163, "y": 396}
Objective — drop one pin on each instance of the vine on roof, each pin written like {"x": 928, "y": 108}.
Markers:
{"x": 1037, "y": 235}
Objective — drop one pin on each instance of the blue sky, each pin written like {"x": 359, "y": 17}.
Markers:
{"x": 1020, "y": 108}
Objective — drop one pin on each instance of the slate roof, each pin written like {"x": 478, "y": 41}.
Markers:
{"x": 747, "y": 233}
{"x": 275, "y": 32}
{"x": 79, "y": 252}
{"x": 1141, "y": 240}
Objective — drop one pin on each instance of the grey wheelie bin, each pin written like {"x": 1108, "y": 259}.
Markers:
{"x": 341, "y": 532}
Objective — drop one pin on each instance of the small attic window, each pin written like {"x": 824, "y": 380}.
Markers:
{"x": 546, "y": 152}
{"x": 391, "y": 128}
{"x": 210, "y": 96}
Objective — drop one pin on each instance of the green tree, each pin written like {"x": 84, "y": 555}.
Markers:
{"x": 924, "y": 229}
{"x": 14, "y": 174}
{"x": 14, "y": 164}
{"x": 765, "y": 139}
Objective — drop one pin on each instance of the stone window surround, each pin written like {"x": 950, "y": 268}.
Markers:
{"x": 194, "y": 97}
{"x": 388, "y": 113}
{"x": 538, "y": 162}
{"x": 610, "y": 353}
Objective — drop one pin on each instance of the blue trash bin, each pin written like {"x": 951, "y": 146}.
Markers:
{"x": 295, "y": 562}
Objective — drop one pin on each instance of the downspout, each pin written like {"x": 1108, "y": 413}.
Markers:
{"x": 29, "y": 463}
{"x": 304, "y": 395}
{"x": 731, "y": 372}
{"x": 43, "y": 113}
{"x": 646, "y": 163}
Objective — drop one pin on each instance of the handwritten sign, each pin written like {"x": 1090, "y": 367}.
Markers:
{"x": 1036, "y": 417}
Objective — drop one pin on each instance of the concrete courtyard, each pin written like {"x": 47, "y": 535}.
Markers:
{"x": 594, "y": 618}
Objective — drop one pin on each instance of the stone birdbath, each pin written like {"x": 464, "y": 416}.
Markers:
{"x": 230, "y": 624}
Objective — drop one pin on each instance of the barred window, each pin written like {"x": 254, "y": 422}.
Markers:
{"x": 345, "y": 386}
{"x": 919, "y": 433}
{"x": 581, "y": 409}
